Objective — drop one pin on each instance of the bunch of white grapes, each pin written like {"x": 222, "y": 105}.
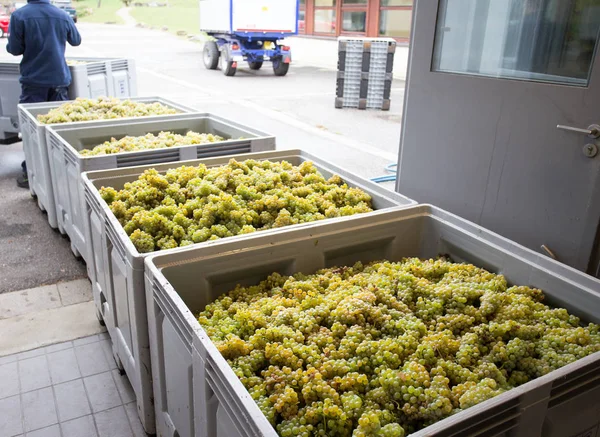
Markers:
{"x": 388, "y": 348}
{"x": 102, "y": 109}
{"x": 150, "y": 141}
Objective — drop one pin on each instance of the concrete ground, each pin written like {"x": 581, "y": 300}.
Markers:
{"x": 298, "y": 109}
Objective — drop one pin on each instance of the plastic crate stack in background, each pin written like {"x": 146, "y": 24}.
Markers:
{"x": 210, "y": 401}
{"x": 364, "y": 78}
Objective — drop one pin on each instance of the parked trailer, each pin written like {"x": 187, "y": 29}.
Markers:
{"x": 91, "y": 78}
{"x": 248, "y": 30}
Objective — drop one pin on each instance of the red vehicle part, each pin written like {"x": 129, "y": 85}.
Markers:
{"x": 4, "y": 21}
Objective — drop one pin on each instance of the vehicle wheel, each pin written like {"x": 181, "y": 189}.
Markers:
{"x": 280, "y": 68}
{"x": 1, "y": 33}
{"x": 255, "y": 65}
{"x": 229, "y": 68}
{"x": 211, "y": 55}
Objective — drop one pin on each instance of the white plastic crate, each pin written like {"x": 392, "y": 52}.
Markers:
{"x": 93, "y": 77}
{"x": 65, "y": 142}
{"x": 103, "y": 77}
{"x": 118, "y": 268}
{"x": 36, "y": 151}
{"x": 197, "y": 394}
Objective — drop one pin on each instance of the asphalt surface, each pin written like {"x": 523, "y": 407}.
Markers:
{"x": 298, "y": 109}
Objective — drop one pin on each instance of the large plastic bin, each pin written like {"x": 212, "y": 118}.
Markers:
{"x": 197, "y": 394}
{"x": 97, "y": 77}
{"x": 91, "y": 78}
{"x": 66, "y": 163}
{"x": 118, "y": 268}
{"x": 10, "y": 91}
{"x": 36, "y": 152}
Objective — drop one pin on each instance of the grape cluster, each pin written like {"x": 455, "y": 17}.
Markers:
{"x": 388, "y": 348}
{"x": 150, "y": 141}
{"x": 102, "y": 108}
{"x": 190, "y": 205}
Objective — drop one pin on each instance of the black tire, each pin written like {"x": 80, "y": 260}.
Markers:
{"x": 255, "y": 65}
{"x": 1, "y": 33}
{"x": 229, "y": 69}
{"x": 280, "y": 68}
{"x": 211, "y": 55}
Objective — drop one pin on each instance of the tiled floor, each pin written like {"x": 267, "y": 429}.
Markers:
{"x": 71, "y": 389}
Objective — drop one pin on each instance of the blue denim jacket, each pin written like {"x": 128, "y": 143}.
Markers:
{"x": 39, "y": 31}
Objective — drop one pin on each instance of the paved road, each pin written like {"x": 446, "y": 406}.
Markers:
{"x": 298, "y": 109}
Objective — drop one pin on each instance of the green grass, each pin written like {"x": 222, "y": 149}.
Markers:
{"x": 179, "y": 15}
{"x": 107, "y": 12}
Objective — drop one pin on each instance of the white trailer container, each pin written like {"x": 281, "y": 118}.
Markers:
{"x": 249, "y": 16}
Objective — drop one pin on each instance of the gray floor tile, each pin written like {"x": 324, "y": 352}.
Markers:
{"x": 75, "y": 292}
{"x": 8, "y": 359}
{"x": 30, "y": 354}
{"x": 113, "y": 423}
{"x": 51, "y": 431}
{"x": 9, "y": 380}
{"x": 34, "y": 373}
{"x": 59, "y": 347}
{"x": 102, "y": 392}
{"x": 86, "y": 340}
{"x": 134, "y": 420}
{"x": 91, "y": 359}
{"x": 71, "y": 400}
{"x": 38, "y": 409}
{"x": 10, "y": 416}
{"x": 124, "y": 387}
{"x": 82, "y": 427}
{"x": 63, "y": 366}
{"x": 108, "y": 353}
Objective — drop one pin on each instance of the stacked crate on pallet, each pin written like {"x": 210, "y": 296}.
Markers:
{"x": 365, "y": 70}
{"x": 198, "y": 394}
{"x": 119, "y": 288}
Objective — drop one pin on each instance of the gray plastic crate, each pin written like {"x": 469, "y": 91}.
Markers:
{"x": 118, "y": 268}
{"x": 65, "y": 142}
{"x": 198, "y": 395}
{"x": 10, "y": 91}
{"x": 97, "y": 77}
{"x": 36, "y": 151}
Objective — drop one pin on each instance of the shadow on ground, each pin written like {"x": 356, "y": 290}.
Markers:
{"x": 31, "y": 252}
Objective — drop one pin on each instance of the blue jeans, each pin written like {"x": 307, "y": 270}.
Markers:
{"x": 39, "y": 94}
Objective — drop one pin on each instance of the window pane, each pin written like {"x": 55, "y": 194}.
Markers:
{"x": 396, "y": 2}
{"x": 354, "y": 2}
{"x": 395, "y": 23}
{"x": 301, "y": 18}
{"x": 324, "y": 20}
{"x": 354, "y": 21}
{"x": 302, "y": 3}
{"x": 540, "y": 40}
{"x": 324, "y": 2}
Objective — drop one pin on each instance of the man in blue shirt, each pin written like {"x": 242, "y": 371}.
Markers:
{"x": 39, "y": 31}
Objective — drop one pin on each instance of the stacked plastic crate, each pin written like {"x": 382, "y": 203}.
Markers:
{"x": 364, "y": 78}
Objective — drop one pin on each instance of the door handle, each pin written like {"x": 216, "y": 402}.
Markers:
{"x": 593, "y": 131}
